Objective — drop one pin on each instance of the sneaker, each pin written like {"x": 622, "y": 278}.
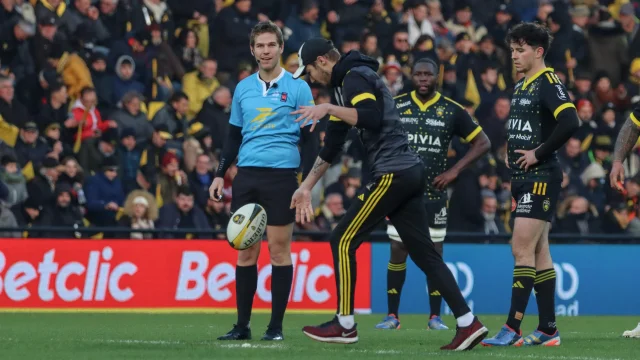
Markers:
{"x": 273, "y": 335}
{"x": 540, "y": 338}
{"x": 332, "y": 332}
{"x": 635, "y": 333}
{"x": 468, "y": 337}
{"x": 436, "y": 323}
{"x": 390, "y": 322}
{"x": 505, "y": 337}
{"x": 237, "y": 333}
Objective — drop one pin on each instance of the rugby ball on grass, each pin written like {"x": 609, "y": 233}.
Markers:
{"x": 246, "y": 226}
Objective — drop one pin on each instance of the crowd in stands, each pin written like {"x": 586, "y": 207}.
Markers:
{"x": 113, "y": 112}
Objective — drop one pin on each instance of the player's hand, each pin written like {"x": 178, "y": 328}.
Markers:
{"x": 215, "y": 190}
{"x": 616, "y": 177}
{"x": 443, "y": 180}
{"x": 301, "y": 201}
{"x": 527, "y": 159}
{"x": 311, "y": 113}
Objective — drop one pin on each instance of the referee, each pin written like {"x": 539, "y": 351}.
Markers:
{"x": 361, "y": 99}
{"x": 264, "y": 137}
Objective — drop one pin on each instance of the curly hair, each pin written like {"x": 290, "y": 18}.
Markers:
{"x": 532, "y": 34}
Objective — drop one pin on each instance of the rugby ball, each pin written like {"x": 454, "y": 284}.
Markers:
{"x": 246, "y": 226}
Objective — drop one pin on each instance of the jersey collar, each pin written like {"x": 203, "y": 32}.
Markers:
{"x": 424, "y": 106}
{"x": 264, "y": 84}
{"x": 535, "y": 76}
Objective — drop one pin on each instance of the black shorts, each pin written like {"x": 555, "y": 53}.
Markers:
{"x": 437, "y": 212}
{"x": 536, "y": 199}
{"x": 270, "y": 188}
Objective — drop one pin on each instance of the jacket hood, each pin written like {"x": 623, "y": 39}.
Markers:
{"x": 121, "y": 59}
{"x": 349, "y": 61}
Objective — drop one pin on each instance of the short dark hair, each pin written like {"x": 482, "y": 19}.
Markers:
{"x": 177, "y": 96}
{"x": 86, "y": 90}
{"x": 426, "y": 61}
{"x": 264, "y": 27}
{"x": 532, "y": 34}
{"x": 184, "y": 190}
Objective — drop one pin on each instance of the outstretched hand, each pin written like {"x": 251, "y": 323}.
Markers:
{"x": 301, "y": 201}
{"x": 311, "y": 113}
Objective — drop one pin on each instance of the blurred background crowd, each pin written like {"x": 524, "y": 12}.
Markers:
{"x": 113, "y": 112}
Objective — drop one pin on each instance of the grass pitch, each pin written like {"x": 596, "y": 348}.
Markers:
{"x": 100, "y": 336}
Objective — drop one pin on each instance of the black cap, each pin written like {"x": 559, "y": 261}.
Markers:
{"x": 164, "y": 132}
{"x": 48, "y": 20}
{"x": 30, "y": 126}
{"x": 109, "y": 136}
{"x": 50, "y": 163}
{"x": 129, "y": 131}
{"x": 309, "y": 52}
{"x": 503, "y": 8}
{"x": 8, "y": 159}
{"x": 109, "y": 162}
{"x": 33, "y": 202}
{"x": 462, "y": 36}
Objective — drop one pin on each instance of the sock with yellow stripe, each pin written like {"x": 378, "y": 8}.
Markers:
{"x": 396, "y": 274}
{"x": 545, "y": 287}
{"x": 435, "y": 298}
{"x": 523, "y": 278}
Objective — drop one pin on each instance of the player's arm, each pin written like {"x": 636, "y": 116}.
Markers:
{"x": 333, "y": 143}
{"x": 554, "y": 97}
{"x": 309, "y": 141}
{"x": 363, "y": 109}
{"x": 627, "y": 139}
{"x": 467, "y": 129}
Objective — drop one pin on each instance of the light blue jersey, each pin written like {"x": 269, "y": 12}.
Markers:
{"x": 270, "y": 135}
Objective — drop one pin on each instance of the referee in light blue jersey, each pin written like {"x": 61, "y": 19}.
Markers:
{"x": 264, "y": 137}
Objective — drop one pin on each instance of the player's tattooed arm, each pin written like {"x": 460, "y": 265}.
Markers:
{"x": 627, "y": 139}
{"x": 316, "y": 173}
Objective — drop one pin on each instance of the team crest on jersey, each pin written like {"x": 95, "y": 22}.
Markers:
{"x": 546, "y": 204}
{"x": 440, "y": 111}
{"x": 283, "y": 97}
{"x": 238, "y": 219}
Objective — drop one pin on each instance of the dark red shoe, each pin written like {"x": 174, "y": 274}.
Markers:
{"x": 467, "y": 337}
{"x": 332, "y": 332}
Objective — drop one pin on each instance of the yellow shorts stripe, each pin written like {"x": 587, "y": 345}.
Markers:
{"x": 544, "y": 189}
{"x": 345, "y": 241}
{"x": 535, "y": 188}
{"x": 356, "y": 99}
{"x": 562, "y": 107}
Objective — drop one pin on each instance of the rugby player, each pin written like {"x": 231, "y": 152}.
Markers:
{"x": 361, "y": 99}
{"x": 541, "y": 120}
{"x": 431, "y": 121}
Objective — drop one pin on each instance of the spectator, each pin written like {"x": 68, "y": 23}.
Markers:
{"x": 577, "y": 216}
{"x": 499, "y": 25}
{"x": 331, "y": 212}
{"x": 392, "y": 78}
{"x": 463, "y": 22}
{"x": 218, "y": 217}
{"x": 495, "y": 125}
{"x": 140, "y": 213}
{"x": 188, "y": 51}
{"x": 199, "y": 85}
{"x": 105, "y": 195}
{"x": 573, "y": 160}
{"x": 95, "y": 152}
{"x": 72, "y": 175}
{"x": 84, "y": 22}
{"x": 302, "y": 27}
{"x": 418, "y": 23}
{"x": 56, "y": 8}
{"x": 56, "y": 110}
{"x": 630, "y": 25}
{"x": 166, "y": 68}
{"x": 215, "y": 115}
{"x": 594, "y": 179}
{"x": 30, "y": 147}
{"x": 381, "y": 24}
{"x": 155, "y": 12}
{"x": 14, "y": 180}
{"x": 174, "y": 115}
{"x": 200, "y": 180}
{"x": 616, "y": 219}
{"x": 87, "y": 121}
{"x": 11, "y": 109}
{"x": 152, "y": 157}
{"x": 29, "y": 214}
{"x": 14, "y": 52}
{"x": 492, "y": 223}
{"x": 232, "y": 25}
{"x": 129, "y": 160}
{"x": 183, "y": 214}
{"x": 608, "y": 50}
{"x": 488, "y": 89}
{"x": 370, "y": 47}
{"x": 347, "y": 186}
{"x": 73, "y": 69}
{"x": 123, "y": 80}
{"x": 42, "y": 43}
{"x": 170, "y": 179}
{"x": 63, "y": 214}
{"x": 116, "y": 17}
{"x": 7, "y": 219}
{"x": 130, "y": 116}
{"x": 103, "y": 81}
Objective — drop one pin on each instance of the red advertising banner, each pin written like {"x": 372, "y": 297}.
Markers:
{"x": 159, "y": 275}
